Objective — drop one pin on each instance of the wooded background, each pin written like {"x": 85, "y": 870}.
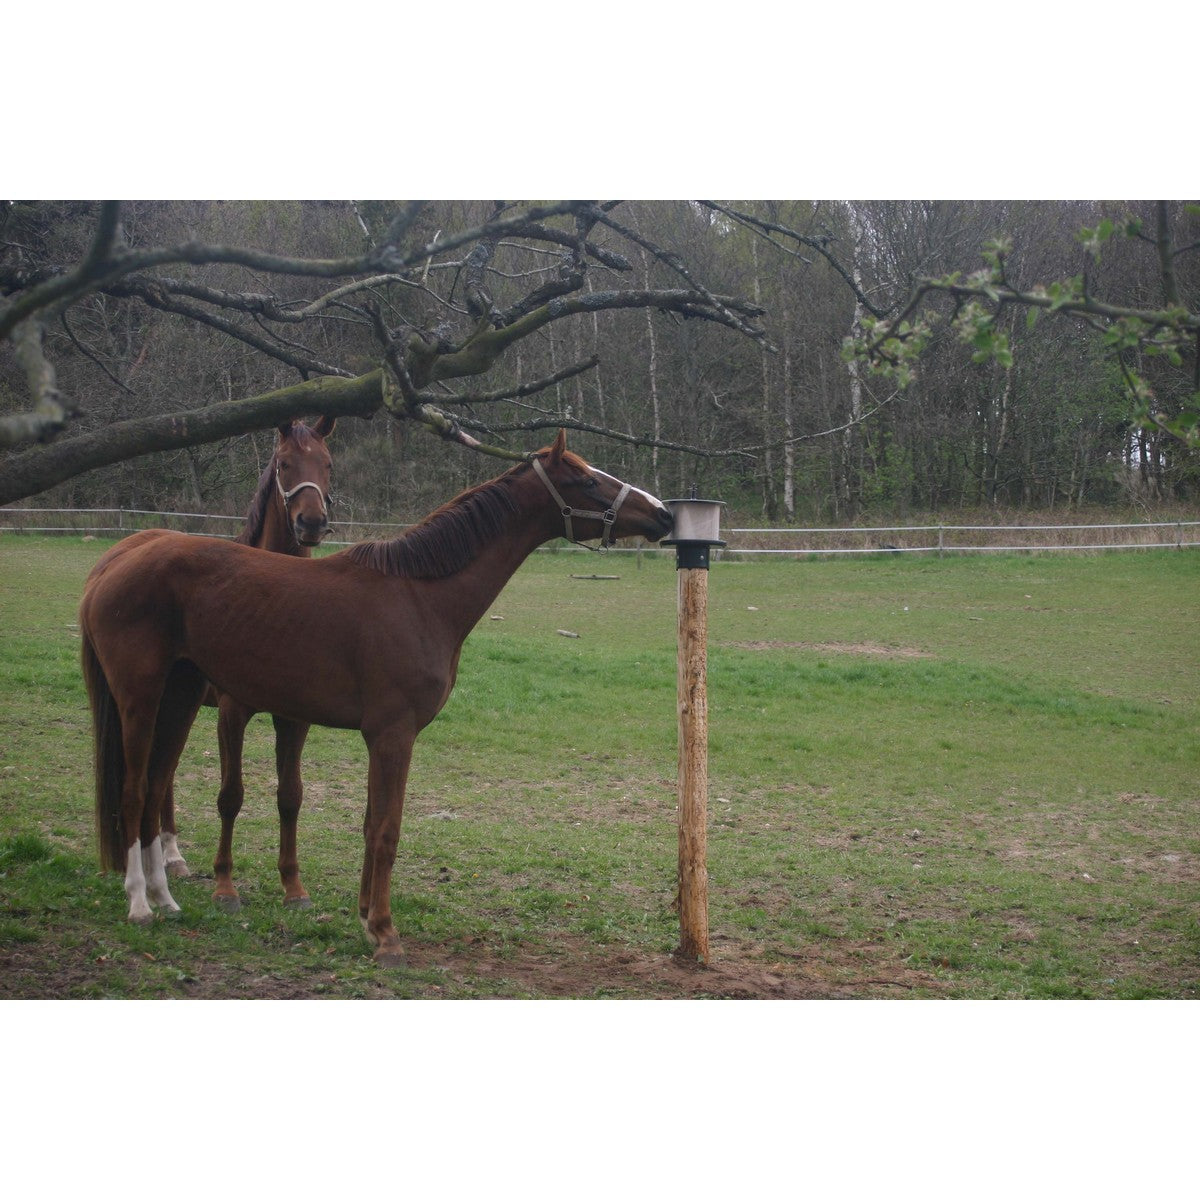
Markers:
{"x": 791, "y": 430}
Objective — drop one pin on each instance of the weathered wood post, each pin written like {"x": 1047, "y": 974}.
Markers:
{"x": 696, "y": 530}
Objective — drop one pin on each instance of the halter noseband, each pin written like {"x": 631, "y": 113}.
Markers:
{"x": 287, "y": 496}
{"x": 608, "y": 517}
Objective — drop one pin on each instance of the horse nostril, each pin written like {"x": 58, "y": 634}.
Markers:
{"x": 310, "y": 529}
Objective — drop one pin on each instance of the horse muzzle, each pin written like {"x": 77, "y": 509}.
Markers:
{"x": 664, "y": 521}
{"x": 310, "y": 533}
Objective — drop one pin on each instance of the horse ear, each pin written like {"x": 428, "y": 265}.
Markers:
{"x": 324, "y": 426}
{"x": 285, "y": 430}
{"x": 558, "y": 446}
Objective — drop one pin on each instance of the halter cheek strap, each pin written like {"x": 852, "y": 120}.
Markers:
{"x": 287, "y": 496}
{"x": 608, "y": 517}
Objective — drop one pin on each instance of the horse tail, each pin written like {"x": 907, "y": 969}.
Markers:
{"x": 109, "y": 754}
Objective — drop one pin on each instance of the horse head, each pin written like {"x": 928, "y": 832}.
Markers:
{"x": 593, "y": 504}
{"x": 302, "y": 469}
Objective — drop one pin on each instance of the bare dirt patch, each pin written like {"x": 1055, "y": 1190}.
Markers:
{"x": 874, "y": 649}
{"x": 574, "y": 969}
{"x": 562, "y": 969}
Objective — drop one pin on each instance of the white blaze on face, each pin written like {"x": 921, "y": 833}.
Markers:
{"x": 654, "y": 500}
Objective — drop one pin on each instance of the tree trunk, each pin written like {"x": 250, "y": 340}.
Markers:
{"x": 768, "y": 433}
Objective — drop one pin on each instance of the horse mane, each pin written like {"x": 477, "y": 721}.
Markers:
{"x": 256, "y": 514}
{"x": 450, "y": 537}
{"x": 445, "y": 541}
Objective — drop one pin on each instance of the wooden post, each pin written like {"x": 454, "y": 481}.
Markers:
{"x": 696, "y": 530}
{"x": 692, "y": 788}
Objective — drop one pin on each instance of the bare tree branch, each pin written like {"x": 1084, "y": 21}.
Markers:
{"x": 424, "y": 348}
{"x": 480, "y": 352}
{"x": 101, "y": 268}
{"x": 516, "y": 393}
{"x": 75, "y": 283}
{"x": 302, "y": 359}
{"x": 557, "y": 420}
{"x": 50, "y": 413}
{"x": 676, "y": 264}
{"x": 819, "y": 244}
{"x": 35, "y": 470}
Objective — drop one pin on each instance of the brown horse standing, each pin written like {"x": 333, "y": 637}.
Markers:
{"x": 371, "y": 641}
{"x": 289, "y": 514}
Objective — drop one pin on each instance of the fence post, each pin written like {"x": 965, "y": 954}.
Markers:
{"x": 696, "y": 532}
{"x": 941, "y": 541}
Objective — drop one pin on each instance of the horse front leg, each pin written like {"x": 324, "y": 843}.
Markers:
{"x": 289, "y": 745}
{"x": 387, "y": 778}
{"x": 232, "y": 719}
{"x": 173, "y": 860}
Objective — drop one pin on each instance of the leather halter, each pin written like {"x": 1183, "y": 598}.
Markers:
{"x": 607, "y": 518}
{"x": 287, "y": 496}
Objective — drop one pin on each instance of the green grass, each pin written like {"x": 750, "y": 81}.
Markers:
{"x": 969, "y": 777}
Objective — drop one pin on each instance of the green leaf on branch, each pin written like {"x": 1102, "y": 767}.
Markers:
{"x": 1065, "y": 293}
{"x": 1093, "y": 239}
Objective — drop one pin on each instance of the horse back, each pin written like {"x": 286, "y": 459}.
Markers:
{"x": 320, "y": 640}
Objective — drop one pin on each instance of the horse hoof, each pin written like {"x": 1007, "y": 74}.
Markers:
{"x": 389, "y": 956}
{"x": 229, "y": 904}
{"x": 146, "y": 918}
{"x": 178, "y": 869}
{"x": 170, "y": 914}
{"x": 298, "y": 902}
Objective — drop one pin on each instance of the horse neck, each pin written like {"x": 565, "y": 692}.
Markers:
{"x": 276, "y": 534}
{"x": 472, "y": 591}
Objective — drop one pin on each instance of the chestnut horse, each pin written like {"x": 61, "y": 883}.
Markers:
{"x": 367, "y": 639}
{"x": 288, "y": 515}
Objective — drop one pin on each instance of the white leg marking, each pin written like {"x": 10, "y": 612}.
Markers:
{"x": 172, "y": 853}
{"x": 156, "y": 876}
{"x": 135, "y": 886}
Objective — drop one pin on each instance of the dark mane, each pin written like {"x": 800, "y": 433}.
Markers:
{"x": 256, "y": 514}
{"x": 449, "y": 538}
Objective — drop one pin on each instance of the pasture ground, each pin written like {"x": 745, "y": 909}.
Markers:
{"x": 960, "y": 778}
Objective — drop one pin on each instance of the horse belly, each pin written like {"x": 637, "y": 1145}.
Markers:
{"x": 274, "y": 675}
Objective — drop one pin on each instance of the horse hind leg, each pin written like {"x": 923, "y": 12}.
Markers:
{"x": 176, "y": 714}
{"x": 289, "y": 745}
{"x": 137, "y": 733}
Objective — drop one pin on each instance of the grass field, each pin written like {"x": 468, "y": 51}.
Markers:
{"x": 970, "y": 777}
